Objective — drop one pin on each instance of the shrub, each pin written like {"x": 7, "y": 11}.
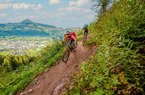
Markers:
{"x": 118, "y": 65}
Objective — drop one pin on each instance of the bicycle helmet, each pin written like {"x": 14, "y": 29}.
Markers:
{"x": 67, "y": 32}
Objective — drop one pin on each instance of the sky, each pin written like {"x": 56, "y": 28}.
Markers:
{"x": 61, "y": 13}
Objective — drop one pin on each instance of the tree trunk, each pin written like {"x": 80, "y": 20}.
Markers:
{"x": 104, "y": 5}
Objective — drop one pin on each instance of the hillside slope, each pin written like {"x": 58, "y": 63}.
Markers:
{"x": 29, "y": 28}
{"x": 118, "y": 66}
{"x": 55, "y": 81}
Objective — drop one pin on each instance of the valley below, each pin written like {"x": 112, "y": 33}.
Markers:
{"x": 27, "y": 37}
{"x": 23, "y": 45}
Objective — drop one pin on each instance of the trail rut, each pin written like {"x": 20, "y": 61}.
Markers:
{"x": 57, "y": 79}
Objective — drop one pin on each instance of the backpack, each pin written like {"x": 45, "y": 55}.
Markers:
{"x": 72, "y": 33}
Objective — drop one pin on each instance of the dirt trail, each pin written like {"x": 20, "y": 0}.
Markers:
{"x": 56, "y": 80}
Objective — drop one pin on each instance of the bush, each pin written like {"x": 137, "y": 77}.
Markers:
{"x": 26, "y": 59}
{"x": 118, "y": 67}
{"x": 7, "y": 63}
{"x": 1, "y": 59}
{"x": 24, "y": 73}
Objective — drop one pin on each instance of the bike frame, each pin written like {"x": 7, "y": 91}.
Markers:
{"x": 67, "y": 53}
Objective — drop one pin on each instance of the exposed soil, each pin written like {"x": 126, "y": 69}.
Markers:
{"x": 57, "y": 79}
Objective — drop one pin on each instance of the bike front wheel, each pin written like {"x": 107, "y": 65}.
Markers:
{"x": 65, "y": 56}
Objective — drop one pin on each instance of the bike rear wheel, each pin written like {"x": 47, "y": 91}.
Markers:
{"x": 66, "y": 56}
{"x": 84, "y": 40}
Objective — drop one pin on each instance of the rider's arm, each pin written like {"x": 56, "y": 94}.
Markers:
{"x": 65, "y": 38}
{"x": 74, "y": 38}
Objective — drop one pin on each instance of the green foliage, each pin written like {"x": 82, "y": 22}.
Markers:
{"x": 7, "y": 63}
{"x": 1, "y": 59}
{"x": 10, "y": 62}
{"x": 26, "y": 59}
{"x": 118, "y": 66}
{"x": 11, "y": 82}
{"x": 79, "y": 34}
{"x": 101, "y": 5}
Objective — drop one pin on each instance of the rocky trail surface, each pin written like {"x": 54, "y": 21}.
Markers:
{"x": 58, "y": 79}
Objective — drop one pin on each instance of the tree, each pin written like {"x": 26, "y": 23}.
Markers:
{"x": 1, "y": 59}
{"x": 26, "y": 59}
{"x": 101, "y": 5}
{"x": 7, "y": 63}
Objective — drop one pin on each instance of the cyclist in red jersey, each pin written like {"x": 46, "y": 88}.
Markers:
{"x": 70, "y": 38}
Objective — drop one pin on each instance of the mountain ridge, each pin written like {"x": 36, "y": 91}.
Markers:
{"x": 29, "y": 28}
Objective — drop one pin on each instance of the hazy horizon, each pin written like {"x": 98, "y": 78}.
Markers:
{"x": 60, "y": 13}
{"x": 38, "y": 23}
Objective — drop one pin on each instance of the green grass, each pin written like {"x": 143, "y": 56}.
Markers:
{"x": 16, "y": 80}
{"x": 4, "y": 53}
{"x": 117, "y": 67}
{"x": 80, "y": 35}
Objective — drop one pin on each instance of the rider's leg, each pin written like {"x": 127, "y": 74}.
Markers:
{"x": 69, "y": 43}
{"x": 72, "y": 43}
{"x": 86, "y": 35}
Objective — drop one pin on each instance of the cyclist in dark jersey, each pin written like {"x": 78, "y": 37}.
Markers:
{"x": 85, "y": 28}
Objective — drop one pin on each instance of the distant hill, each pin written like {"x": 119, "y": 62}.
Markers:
{"x": 30, "y": 28}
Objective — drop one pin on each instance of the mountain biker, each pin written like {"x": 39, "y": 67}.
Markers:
{"x": 85, "y": 28}
{"x": 70, "y": 38}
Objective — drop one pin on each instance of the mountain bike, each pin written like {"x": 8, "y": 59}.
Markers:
{"x": 84, "y": 38}
{"x": 66, "y": 54}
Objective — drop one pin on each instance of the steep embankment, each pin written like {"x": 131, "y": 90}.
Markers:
{"x": 17, "y": 71}
{"x": 56, "y": 80}
{"x": 118, "y": 66}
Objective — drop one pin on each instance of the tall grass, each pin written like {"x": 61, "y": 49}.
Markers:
{"x": 16, "y": 80}
{"x": 118, "y": 67}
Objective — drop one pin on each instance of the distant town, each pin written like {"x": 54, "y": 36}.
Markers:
{"x": 21, "y": 45}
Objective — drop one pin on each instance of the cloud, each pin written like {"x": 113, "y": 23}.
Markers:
{"x": 4, "y": 6}
{"x": 78, "y": 3}
{"x": 75, "y": 9}
{"x": 69, "y": 9}
{"x": 54, "y": 1}
{"x": 20, "y": 6}
{"x": 5, "y": 1}
{"x": 3, "y": 15}
{"x": 82, "y": 6}
{"x": 72, "y": 3}
{"x": 20, "y": 18}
